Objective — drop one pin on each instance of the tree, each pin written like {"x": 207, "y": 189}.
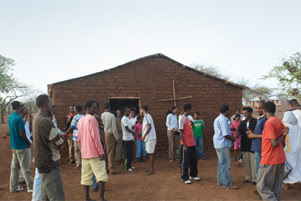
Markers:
{"x": 30, "y": 103}
{"x": 212, "y": 70}
{"x": 288, "y": 75}
{"x": 257, "y": 91}
{"x": 10, "y": 88}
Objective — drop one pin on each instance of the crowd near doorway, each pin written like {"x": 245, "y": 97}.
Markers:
{"x": 118, "y": 103}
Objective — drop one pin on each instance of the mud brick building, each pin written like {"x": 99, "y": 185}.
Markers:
{"x": 157, "y": 81}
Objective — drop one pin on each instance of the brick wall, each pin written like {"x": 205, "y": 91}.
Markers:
{"x": 150, "y": 79}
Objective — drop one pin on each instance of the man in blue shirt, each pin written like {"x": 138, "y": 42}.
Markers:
{"x": 20, "y": 145}
{"x": 222, "y": 140}
{"x": 73, "y": 126}
{"x": 257, "y": 135}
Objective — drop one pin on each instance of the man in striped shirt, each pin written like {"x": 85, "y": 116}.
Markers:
{"x": 73, "y": 126}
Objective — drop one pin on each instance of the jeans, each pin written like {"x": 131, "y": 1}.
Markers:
{"x": 224, "y": 167}
{"x": 20, "y": 161}
{"x": 140, "y": 149}
{"x": 199, "y": 147}
{"x": 95, "y": 184}
{"x": 36, "y": 195}
{"x": 257, "y": 162}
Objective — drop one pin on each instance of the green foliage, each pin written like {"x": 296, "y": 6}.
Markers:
{"x": 288, "y": 75}
{"x": 257, "y": 91}
{"x": 6, "y": 78}
{"x": 212, "y": 70}
{"x": 30, "y": 103}
{"x": 10, "y": 88}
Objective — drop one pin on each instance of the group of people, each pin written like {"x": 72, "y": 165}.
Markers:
{"x": 269, "y": 156}
{"x": 94, "y": 137}
{"x": 97, "y": 141}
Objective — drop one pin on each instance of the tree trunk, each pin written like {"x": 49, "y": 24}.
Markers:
{"x": 2, "y": 116}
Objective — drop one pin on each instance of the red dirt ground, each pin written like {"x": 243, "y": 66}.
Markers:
{"x": 164, "y": 185}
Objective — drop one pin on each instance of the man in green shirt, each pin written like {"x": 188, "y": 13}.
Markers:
{"x": 198, "y": 132}
{"x": 20, "y": 148}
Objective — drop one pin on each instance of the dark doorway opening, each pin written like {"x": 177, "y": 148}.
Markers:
{"x": 119, "y": 104}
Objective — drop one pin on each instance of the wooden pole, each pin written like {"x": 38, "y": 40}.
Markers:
{"x": 174, "y": 92}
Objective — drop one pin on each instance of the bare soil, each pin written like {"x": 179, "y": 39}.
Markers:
{"x": 165, "y": 184}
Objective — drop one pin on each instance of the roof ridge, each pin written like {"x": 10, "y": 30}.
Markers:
{"x": 160, "y": 55}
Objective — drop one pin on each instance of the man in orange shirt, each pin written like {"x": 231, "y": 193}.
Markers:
{"x": 271, "y": 168}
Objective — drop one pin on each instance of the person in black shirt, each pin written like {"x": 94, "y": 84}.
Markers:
{"x": 248, "y": 156}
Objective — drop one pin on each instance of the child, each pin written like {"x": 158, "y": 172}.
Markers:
{"x": 234, "y": 128}
{"x": 198, "y": 132}
{"x": 140, "y": 153}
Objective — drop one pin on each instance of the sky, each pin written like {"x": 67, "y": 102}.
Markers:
{"x": 56, "y": 40}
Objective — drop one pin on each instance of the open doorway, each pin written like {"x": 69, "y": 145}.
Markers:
{"x": 120, "y": 103}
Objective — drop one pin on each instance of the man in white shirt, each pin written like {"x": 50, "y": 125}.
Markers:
{"x": 133, "y": 118}
{"x": 111, "y": 136}
{"x": 149, "y": 136}
{"x": 128, "y": 139}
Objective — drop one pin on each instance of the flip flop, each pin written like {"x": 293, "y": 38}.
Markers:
{"x": 232, "y": 188}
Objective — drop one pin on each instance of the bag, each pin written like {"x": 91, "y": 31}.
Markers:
{"x": 177, "y": 133}
{"x": 287, "y": 169}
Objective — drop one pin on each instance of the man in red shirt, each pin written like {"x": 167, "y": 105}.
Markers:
{"x": 189, "y": 150}
{"x": 271, "y": 166}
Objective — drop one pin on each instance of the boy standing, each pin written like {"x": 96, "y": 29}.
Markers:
{"x": 189, "y": 150}
{"x": 248, "y": 156}
{"x": 47, "y": 142}
{"x": 91, "y": 150}
{"x": 74, "y": 128}
{"x": 128, "y": 139}
{"x": 198, "y": 132}
{"x": 69, "y": 134}
{"x": 111, "y": 136}
{"x": 222, "y": 140}
{"x": 149, "y": 137}
{"x": 271, "y": 168}
{"x": 20, "y": 148}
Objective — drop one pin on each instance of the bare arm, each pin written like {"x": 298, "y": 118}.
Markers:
{"x": 237, "y": 134}
{"x": 183, "y": 140}
{"x": 130, "y": 130}
{"x": 24, "y": 137}
{"x": 68, "y": 131}
{"x": 276, "y": 142}
{"x": 251, "y": 135}
{"x": 147, "y": 132}
{"x": 229, "y": 137}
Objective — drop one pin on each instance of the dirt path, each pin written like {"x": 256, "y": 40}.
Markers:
{"x": 164, "y": 185}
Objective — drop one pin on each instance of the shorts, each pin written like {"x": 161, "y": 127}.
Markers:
{"x": 94, "y": 166}
{"x": 150, "y": 146}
